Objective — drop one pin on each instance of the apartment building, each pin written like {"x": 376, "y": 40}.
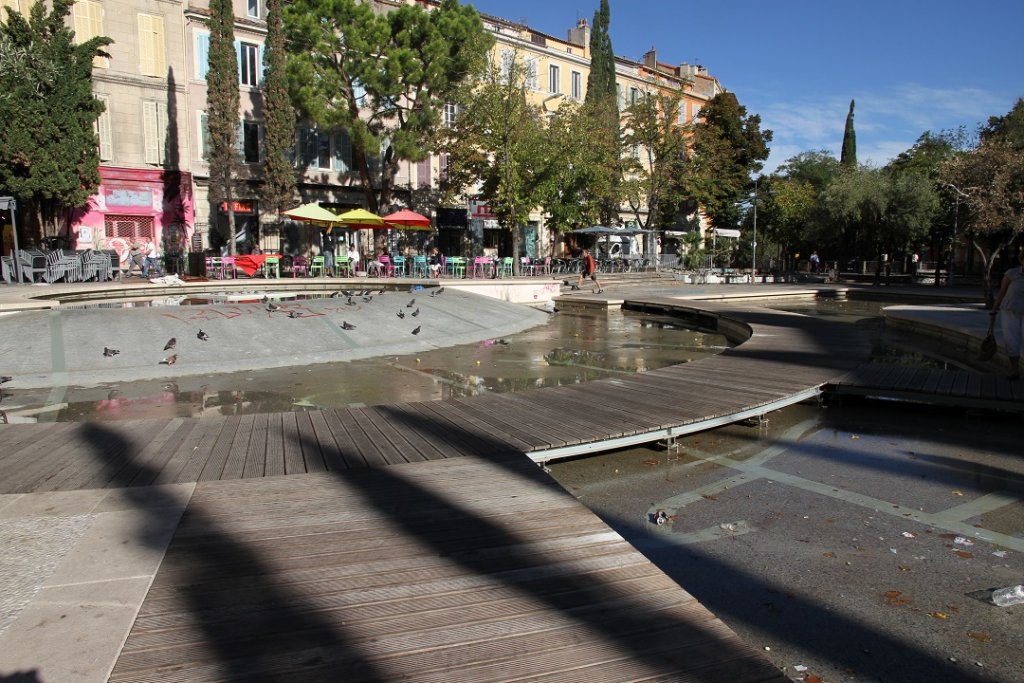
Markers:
{"x": 153, "y": 142}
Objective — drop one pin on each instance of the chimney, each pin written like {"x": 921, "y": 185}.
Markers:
{"x": 651, "y": 59}
{"x": 581, "y": 34}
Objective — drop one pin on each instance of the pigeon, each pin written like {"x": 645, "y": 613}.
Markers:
{"x": 412, "y": 302}
{"x": 294, "y": 314}
{"x": 171, "y": 344}
{"x": 170, "y": 360}
{"x": 367, "y": 299}
{"x": 565, "y": 283}
{"x": 272, "y": 307}
{"x": 416, "y": 313}
{"x": 264, "y": 298}
{"x": 5, "y": 378}
{"x": 346, "y": 293}
{"x": 335, "y": 295}
{"x": 345, "y": 325}
{"x": 108, "y": 352}
{"x": 202, "y": 336}
{"x": 417, "y": 330}
{"x": 381, "y": 291}
{"x": 401, "y": 314}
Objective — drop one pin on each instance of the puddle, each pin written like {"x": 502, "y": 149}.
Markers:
{"x": 572, "y": 347}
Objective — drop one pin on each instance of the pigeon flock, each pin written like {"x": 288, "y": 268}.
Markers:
{"x": 271, "y": 307}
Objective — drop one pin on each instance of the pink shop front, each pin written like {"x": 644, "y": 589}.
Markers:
{"x": 138, "y": 204}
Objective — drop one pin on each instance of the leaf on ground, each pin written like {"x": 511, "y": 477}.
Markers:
{"x": 652, "y": 461}
{"x": 828, "y": 554}
{"x": 811, "y": 678}
{"x": 964, "y": 554}
{"x": 708, "y": 497}
{"x": 896, "y": 599}
{"x": 903, "y": 567}
{"x": 938, "y": 615}
{"x": 980, "y": 637}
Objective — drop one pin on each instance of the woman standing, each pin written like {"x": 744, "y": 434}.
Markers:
{"x": 1010, "y": 305}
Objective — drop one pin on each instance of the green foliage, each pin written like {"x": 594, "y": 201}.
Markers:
{"x": 499, "y": 142}
{"x": 601, "y": 79}
{"x": 50, "y": 161}
{"x": 576, "y": 180}
{"x": 848, "y": 156}
{"x": 655, "y": 173}
{"x": 383, "y": 78}
{"x": 728, "y": 146}
{"x": 222, "y": 101}
{"x": 601, "y": 106}
{"x": 278, "y": 117}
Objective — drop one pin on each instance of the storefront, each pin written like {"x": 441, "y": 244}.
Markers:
{"x": 247, "y": 224}
{"x": 137, "y": 204}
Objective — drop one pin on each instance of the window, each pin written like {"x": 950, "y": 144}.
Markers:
{"x": 202, "y": 54}
{"x": 20, "y": 6}
{"x": 88, "y": 17}
{"x": 102, "y": 127}
{"x": 154, "y": 131}
{"x": 247, "y": 141}
{"x": 342, "y": 152}
{"x": 508, "y": 59}
{"x": 531, "y": 73}
{"x": 577, "y": 86}
{"x": 554, "y": 79}
{"x": 248, "y": 64}
{"x": 152, "y": 61}
{"x": 634, "y": 95}
{"x": 320, "y": 150}
{"x": 253, "y": 8}
{"x": 423, "y": 173}
{"x": 204, "y": 135}
{"x": 451, "y": 114}
{"x": 358, "y": 91}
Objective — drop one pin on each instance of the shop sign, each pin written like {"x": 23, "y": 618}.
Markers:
{"x": 239, "y": 206}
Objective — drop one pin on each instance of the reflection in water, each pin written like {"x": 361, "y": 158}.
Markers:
{"x": 572, "y": 347}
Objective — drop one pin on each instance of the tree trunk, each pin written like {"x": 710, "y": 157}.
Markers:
{"x": 989, "y": 262}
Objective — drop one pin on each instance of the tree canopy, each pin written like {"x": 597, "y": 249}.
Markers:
{"x": 51, "y": 160}
{"x": 383, "y": 78}
{"x": 848, "y": 156}
{"x": 278, "y": 117}
{"x": 222, "y": 101}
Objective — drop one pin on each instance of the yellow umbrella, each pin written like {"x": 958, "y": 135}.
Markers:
{"x": 315, "y": 214}
{"x": 360, "y": 217}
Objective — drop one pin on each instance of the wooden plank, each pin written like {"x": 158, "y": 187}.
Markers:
{"x": 234, "y": 466}
{"x": 153, "y": 462}
{"x": 333, "y": 459}
{"x": 213, "y": 469}
{"x": 256, "y": 457}
{"x": 311, "y": 452}
{"x": 275, "y": 445}
{"x": 412, "y": 449}
{"x": 294, "y": 463}
{"x": 414, "y": 424}
{"x": 149, "y": 452}
{"x": 202, "y": 449}
{"x": 456, "y": 414}
{"x": 391, "y": 453}
{"x": 358, "y": 440}
{"x": 347, "y": 450}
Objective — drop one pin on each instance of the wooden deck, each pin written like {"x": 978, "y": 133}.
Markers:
{"x": 468, "y": 569}
{"x": 788, "y": 358}
{"x": 934, "y": 386}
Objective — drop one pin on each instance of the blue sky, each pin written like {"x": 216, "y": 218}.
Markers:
{"x": 911, "y": 65}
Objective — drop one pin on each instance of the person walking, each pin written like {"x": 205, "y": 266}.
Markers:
{"x": 1009, "y": 306}
{"x": 589, "y": 270}
{"x": 151, "y": 260}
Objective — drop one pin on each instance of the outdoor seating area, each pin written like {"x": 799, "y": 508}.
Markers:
{"x": 61, "y": 265}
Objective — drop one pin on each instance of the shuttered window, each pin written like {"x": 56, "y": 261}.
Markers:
{"x": 88, "y": 18}
{"x": 202, "y": 55}
{"x": 152, "y": 58}
{"x": 103, "y": 130}
{"x": 154, "y": 131}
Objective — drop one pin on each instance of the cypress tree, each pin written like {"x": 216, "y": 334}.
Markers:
{"x": 278, "y": 117}
{"x": 848, "y": 158}
{"x": 222, "y": 112}
{"x": 602, "y": 106}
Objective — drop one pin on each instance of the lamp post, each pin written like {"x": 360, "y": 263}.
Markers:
{"x": 11, "y": 204}
{"x": 956, "y": 220}
{"x": 753, "y": 245}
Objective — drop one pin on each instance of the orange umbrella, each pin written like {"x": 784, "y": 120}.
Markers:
{"x": 407, "y": 220}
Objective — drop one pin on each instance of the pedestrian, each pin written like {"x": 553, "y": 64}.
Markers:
{"x": 1009, "y": 306}
{"x": 436, "y": 262}
{"x": 151, "y": 261}
{"x": 589, "y": 270}
{"x": 815, "y": 262}
{"x": 328, "y": 253}
{"x": 136, "y": 257}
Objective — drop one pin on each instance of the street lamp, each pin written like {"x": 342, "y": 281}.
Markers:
{"x": 952, "y": 246}
{"x": 753, "y": 246}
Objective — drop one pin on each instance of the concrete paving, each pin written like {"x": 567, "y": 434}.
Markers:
{"x": 72, "y": 581}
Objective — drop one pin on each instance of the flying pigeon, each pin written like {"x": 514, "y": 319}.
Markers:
{"x": 5, "y": 378}
{"x": 272, "y": 307}
{"x": 401, "y": 314}
{"x": 335, "y": 295}
{"x": 417, "y": 330}
{"x": 412, "y": 302}
{"x": 170, "y": 360}
{"x": 347, "y": 292}
{"x": 108, "y": 352}
{"x": 294, "y": 314}
{"x": 416, "y": 313}
{"x": 367, "y": 299}
{"x": 171, "y": 344}
{"x": 345, "y": 325}
{"x": 351, "y": 301}
{"x": 202, "y": 336}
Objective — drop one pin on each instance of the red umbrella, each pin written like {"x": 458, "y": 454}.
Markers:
{"x": 407, "y": 220}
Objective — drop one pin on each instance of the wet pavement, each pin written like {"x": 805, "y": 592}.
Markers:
{"x": 860, "y": 541}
